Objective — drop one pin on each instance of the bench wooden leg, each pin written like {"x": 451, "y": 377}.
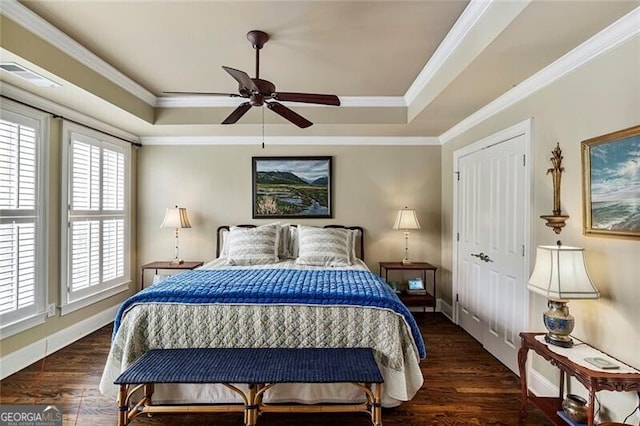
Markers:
{"x": 123, "y": 413}
{"x": 251, "y": 409}
{"x": 148, "y": 393}
{"x": 376, "y": 410}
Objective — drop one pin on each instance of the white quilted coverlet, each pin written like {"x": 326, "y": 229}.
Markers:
{"x": 168, "y": 325}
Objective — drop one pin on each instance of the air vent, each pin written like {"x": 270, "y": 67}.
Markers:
{"x": 26, "y": 74}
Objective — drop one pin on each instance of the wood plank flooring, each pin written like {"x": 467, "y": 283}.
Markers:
{"x": 464, "y": 385}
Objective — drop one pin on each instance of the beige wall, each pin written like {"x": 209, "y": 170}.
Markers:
{"x": 601, "y": 97}
{"x": 214, "y": 183}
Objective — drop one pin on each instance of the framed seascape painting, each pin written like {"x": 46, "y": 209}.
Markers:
{"x": 292, "y": 187}
{"x": 611, "y": 184}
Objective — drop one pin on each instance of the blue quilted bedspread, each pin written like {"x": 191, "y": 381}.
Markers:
{"x": 276, "y": 286}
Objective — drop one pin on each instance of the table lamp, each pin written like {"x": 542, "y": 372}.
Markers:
{"x": 406, "y": 219}
{"x": 560, "y": 274}
{"x": 176, "y": 218}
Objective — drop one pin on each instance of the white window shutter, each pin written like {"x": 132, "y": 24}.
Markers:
{"x": 85, "y": 254}
{"x": 86, "y": 177}
{"x": 96, "y": 251}
{"x": 21, "y": 233}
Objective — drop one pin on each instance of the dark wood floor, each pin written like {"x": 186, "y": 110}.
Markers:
{"x": 464, "y": 385}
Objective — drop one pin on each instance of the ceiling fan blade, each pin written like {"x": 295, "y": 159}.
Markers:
{"x": 310, "y": 98}
{"x": 237, "y": 113}
{"x": 289, "y": 114}
{"x": 242, "y": 78}
{"x": 231, "y": 95}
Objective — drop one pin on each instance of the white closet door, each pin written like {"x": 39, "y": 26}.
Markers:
{"x": 491, "y": 262}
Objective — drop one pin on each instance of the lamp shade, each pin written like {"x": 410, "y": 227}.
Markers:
{"x": 176, "y": 218}
{"x": 406, "y": 219}
{"x": 560, "y": 274}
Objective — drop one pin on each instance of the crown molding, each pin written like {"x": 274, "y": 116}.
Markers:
{"x": 372, "y": 101}
{"x": 606, "y": 40}
{"x": 197, "y": 101}
{"x": 290, "y": 140}
{"x": 478, "y": 26}
{"x": 20, "y": 14}
{"x": 21, "y": 95}
{"x": 204, "y": 101}
{"x": 467, "y": 20}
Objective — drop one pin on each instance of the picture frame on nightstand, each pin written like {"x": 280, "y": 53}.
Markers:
{"x": 416, "y": 286}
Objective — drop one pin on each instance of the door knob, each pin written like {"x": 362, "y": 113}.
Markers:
{"x": 482, "y": 256}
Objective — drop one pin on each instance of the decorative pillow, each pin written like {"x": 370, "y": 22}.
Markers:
{"x": 293, "y": 242}
{"x": 323, "y": 246}
{"x": 224, "y": 251}
{"x": 284, "y": 248}
{"x": 353, "y": 238}
{"x": 253, "y": 246}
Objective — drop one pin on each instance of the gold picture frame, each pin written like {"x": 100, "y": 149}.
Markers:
{"x": 611, "y": 184}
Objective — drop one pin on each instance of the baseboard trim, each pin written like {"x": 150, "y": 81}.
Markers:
{"x": 540, "y": 385}
{"x": 23, "y": 357}
{"x": 445, "y": 308}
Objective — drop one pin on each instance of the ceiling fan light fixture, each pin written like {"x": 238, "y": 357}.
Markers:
{"x": 260, "y": 92}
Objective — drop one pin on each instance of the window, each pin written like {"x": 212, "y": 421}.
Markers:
{"x": 23, "y": 133}
{"x": 96, "y": 217}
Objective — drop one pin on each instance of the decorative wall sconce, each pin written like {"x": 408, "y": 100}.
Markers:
{"x": 557, "y": 219}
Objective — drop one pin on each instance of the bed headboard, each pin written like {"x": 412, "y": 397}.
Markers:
{"x": 359, "y": 242}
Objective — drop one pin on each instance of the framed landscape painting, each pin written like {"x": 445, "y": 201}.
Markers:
{"x": 292, "y": 187}
{"x": 611, "y": 183}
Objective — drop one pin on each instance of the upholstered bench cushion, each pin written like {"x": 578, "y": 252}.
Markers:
{"x": 254, "y": 365}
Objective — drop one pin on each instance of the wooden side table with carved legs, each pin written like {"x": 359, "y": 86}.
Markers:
{"x": 593, "y": 380}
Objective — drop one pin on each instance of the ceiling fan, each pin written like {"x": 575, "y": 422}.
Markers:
{"x": 262, "y": 92}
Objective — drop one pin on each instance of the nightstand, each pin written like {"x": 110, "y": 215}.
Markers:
{"x": 185, "y": 266}
{"x": 416, "y": 300}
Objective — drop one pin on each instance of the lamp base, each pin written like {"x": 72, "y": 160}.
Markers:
{"x": 562, "y": 343}
{"x": 559, "y": 323}
{"x": 406, "y": 262}
{"x": 177, "y": 261}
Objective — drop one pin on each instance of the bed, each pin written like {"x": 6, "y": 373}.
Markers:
{"x": 305, "y": 287}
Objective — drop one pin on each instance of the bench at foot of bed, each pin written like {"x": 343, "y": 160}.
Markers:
{"x": 259, "y": 368}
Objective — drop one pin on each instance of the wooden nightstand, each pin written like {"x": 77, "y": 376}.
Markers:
{"x": 167, "y": 265}
{"x": 418, "y": 300}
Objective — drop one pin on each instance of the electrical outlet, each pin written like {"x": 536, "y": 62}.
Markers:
{"x": 51, "y": 309}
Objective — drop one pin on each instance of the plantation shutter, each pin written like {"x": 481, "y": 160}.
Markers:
{"x": 19, "y": 220}
{"x": 97, "y": 242}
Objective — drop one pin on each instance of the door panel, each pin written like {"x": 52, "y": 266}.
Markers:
{"x": 470, "y": 242}
{"x": 491, "y": 212}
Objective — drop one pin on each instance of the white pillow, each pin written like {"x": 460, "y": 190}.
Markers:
{"x": 353, "y": 238}
{"x": 224, "y": 251}
{"x": 253, "y": 246}
{"x": 323, "y": 246}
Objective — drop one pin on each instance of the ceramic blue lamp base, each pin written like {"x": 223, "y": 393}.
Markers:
{"x": 559, "y": 323}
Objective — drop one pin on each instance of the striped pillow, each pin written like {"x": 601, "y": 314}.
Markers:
{"x": 323, "y": 246}
{"x": 253, "y": 246}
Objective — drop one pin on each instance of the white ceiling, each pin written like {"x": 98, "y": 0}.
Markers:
{"x": 401, "y": 68}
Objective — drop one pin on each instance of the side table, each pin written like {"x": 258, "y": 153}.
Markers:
{"x": 423, "y": 300}
{"x": 167, "y": 265}
{"x": 593, "y": 380}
